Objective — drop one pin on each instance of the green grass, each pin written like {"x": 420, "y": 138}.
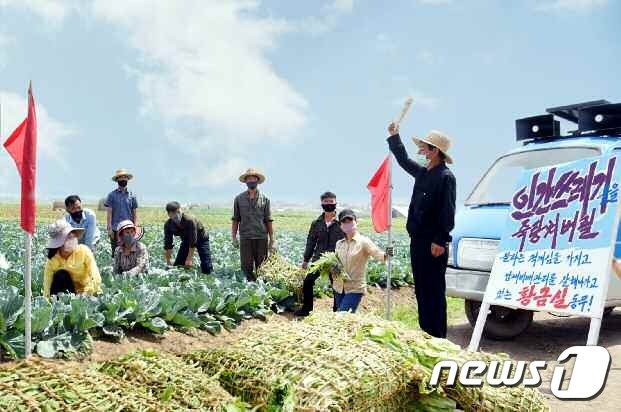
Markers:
{"x": 408, "y": 315}
{"x": 213, "y": 218}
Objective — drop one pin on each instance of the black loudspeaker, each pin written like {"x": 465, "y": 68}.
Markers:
{"x": 604, "y": 118}
{"x": 537, "y": 127}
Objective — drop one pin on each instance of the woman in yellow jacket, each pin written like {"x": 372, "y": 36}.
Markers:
{"x": 71, "y": 267}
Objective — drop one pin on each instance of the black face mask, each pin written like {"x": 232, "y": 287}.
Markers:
{"x": 252, "y": 185}
{"x": 329, "y": 207}
{"x": 122, "y": 183}
{"x": 76, "y": 216}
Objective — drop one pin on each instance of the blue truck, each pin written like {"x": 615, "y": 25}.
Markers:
{"x": 479, "y": 223}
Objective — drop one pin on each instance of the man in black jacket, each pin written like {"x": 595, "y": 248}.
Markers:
{"x": 431, "y": 217}
{"x": 322, "y": 237}
{"x": 194, "y": 237}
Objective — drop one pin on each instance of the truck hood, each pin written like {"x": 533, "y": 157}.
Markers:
{"x": 486, "y": 222}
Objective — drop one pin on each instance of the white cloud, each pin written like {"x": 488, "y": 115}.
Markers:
{"x": 54, "y": 11}
{"x": 51, "y": 133}
{"x": 569, "y": 5}
{"x": 204, "y": 70}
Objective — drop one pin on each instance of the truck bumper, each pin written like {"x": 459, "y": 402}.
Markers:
{"x": 466, "y": 284}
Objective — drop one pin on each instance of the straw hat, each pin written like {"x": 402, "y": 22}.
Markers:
{"x": 252, "y": 172}
{"x": 58, "y": 232}
{"x": 122, "y": 172}
{"x": 124, "y": 224}
{"x": 436, "y": 139}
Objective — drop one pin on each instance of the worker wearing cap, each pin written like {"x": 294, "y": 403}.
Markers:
{"x": 70, "y": 267}
{"x": 121, "y": 204}
{"x": 353, "y": 252}
{"x": 431, "y": 218}
{"x": 131, "y": 256}
{"x": 252, "y": 219}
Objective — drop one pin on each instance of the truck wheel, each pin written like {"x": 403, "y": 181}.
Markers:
{"x": 502, "y": 323}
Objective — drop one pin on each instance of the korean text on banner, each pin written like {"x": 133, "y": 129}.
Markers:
{"x": 557, "y": 243}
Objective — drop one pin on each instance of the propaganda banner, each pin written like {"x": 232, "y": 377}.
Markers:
{"x": 558, "y": 242}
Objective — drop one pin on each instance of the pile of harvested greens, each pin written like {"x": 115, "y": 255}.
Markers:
{"x": 352, "y": 362}
{"x": 138, "y": 382}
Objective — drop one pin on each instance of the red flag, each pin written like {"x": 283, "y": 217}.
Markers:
{"x": 379, "y": 186}
{"x": 22, "y": 146}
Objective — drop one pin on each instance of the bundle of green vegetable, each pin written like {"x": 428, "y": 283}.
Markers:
{"x": 328, "y": 264}
{"x": 295, "y": 366}
{"x": 43, "y": 386}
{"x": 177, "y": 384}
{"x": 278, "y": 271}
{"x": 423, "y": 352}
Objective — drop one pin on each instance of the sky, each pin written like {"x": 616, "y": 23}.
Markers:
{"x": 188, "y": 94}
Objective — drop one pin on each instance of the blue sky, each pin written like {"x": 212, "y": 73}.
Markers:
{"x": 187, "y": 94}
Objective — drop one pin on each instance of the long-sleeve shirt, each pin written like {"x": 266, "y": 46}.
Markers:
{"x": 322, "y": 238}
{"x": 431, "y": 214}
{"x": 89, "y": 224}
{"x": 354, "y": 255}
{"x": 190, "y": 230}
{"x": 137, "y": 261}
{"x": 82, "y": 268}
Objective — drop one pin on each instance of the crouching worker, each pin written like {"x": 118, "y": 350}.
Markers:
{"x": 193, "y": 236}
{"x": 70, "y": 267}
{"x": 131, "y": 257}
{"x": 353, "y": 252}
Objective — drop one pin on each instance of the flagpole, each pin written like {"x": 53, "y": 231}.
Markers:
{"x": 389, "y": 258}
{"x": 28, "y": 296}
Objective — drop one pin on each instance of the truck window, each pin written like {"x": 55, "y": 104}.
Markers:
{"x": 497, "y": 185}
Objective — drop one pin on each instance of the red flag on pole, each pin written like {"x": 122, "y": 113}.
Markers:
{"x": 22, "y": 146}
{"x": 379, "y": 186}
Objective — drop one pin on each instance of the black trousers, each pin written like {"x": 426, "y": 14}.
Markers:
{"x": 252, "y": 253}
{"x": 308, "y": 295}
{"x": 204, "y": 253}
{"x": 114, "y": 241}
{"x": 430, "y": 287}
{"x": 61, "y": 283}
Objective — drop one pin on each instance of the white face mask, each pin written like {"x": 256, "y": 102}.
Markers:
{"x": 421, "y": 159}
{"x": 70, "y": 245}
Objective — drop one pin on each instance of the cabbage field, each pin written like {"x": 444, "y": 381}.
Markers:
{"x": 64, "y": 326}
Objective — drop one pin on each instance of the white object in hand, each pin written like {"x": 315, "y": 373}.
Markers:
{"x": 404, "y": 111}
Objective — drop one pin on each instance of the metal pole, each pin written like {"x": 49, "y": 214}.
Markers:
{"x": 389, "y": 259}
{"x": 27, "y": 295}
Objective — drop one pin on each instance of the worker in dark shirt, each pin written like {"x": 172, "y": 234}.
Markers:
{"x": 193, "y": 236}
{"x": 431, "y": 217}
{"x": 324, "y": 232}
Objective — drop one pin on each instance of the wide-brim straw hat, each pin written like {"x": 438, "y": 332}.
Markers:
{"x": 124, "y": 224}
{"x": 436, "y": 139}
{"x": 122, "y": 172}
{"x": 252, "y": 172}
{"x": 58, "y": 232}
